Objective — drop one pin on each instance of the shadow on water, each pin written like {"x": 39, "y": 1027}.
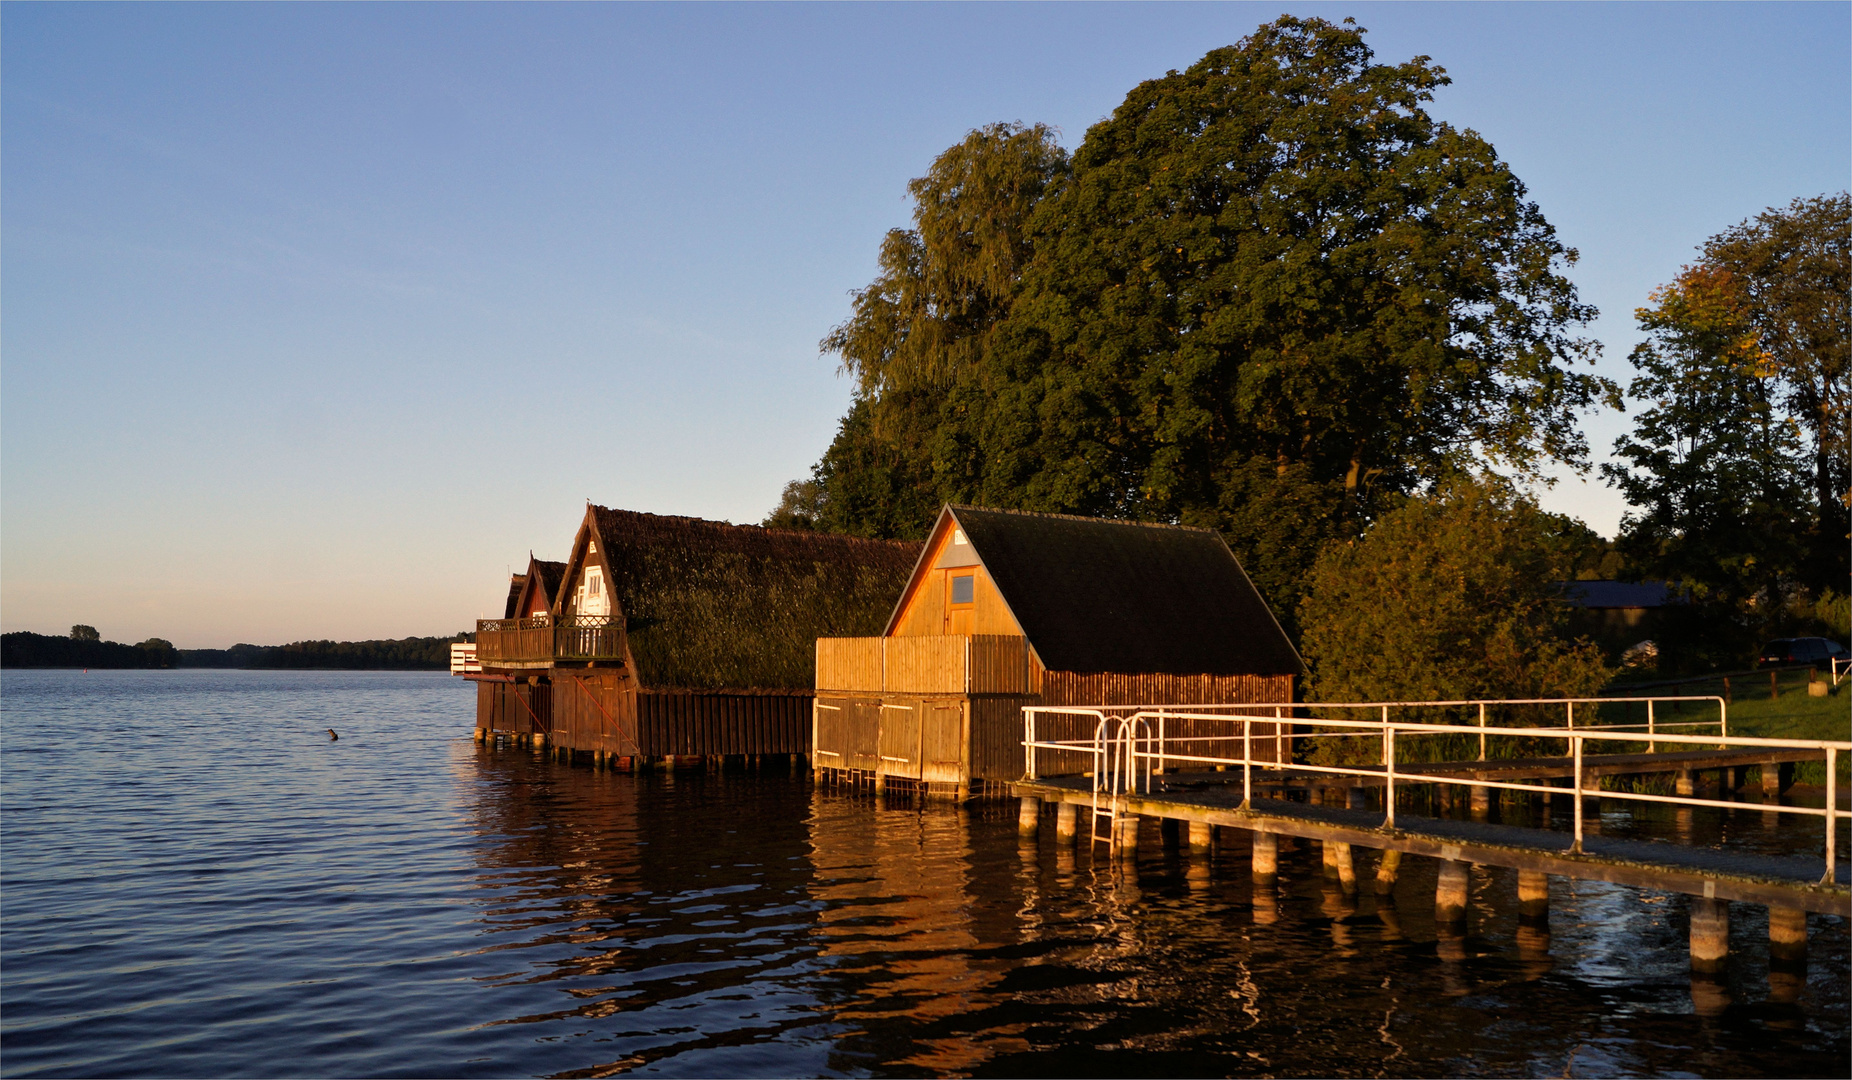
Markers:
{"x": 197, "y": 882}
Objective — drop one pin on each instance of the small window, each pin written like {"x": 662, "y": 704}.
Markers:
{"x": 963, "y": 589}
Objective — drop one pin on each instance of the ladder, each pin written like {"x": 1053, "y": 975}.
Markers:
{"x": 1115, "y": 775}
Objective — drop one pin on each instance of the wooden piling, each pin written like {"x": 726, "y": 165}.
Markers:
{"x": 1386, "y": 869}
{"x": 1266, "y": 858}
{"x": 1067, "y": 822}
{"x": 1450, "y": 892}
{"x": 1687, "y": 782}
{"x": 1533, "y": 894}
{"x": 1028, "y": 819}
{"x": 1202, "y": 836}
{"x": 1328, "y": 852}
{"x": 1347, "y": 872}
{"x": 1482, "y": 802}
{"x": 1710, "y": 934}
{"x": 1787, "y": 935}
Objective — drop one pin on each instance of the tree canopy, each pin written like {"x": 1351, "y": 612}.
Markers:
{"x": 1737, "y": 468}
{"x": 1264, "y": 295}
{"x": 1451, "y": 596}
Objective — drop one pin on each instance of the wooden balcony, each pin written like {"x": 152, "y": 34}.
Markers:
{"x": 540, "y": 643}
{"x": 949, "y": 664}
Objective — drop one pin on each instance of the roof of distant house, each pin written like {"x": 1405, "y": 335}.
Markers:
{"x": 1622, "y": 594}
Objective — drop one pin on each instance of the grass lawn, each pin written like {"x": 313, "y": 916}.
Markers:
{"x": 1753, "y": 712}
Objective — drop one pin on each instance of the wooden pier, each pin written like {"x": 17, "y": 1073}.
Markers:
{"x": 1194, "y": 783}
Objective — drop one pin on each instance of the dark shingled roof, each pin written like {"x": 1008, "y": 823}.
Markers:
{"x": 708, "y": 605}
{"x": 1621, "y": 594}
{"x": 516, "y": 582}
{"x": 1096, "y": 595}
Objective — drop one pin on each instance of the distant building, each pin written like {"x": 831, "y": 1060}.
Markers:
{"x": 1621, "y": 606}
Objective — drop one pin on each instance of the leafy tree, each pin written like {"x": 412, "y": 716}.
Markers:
{"x": 1715, "y": 471}
{"x": 1793, "y": 269}
{"x": 1266, "y": 294}
{"x": 81, "y": 632}
{"x": 1448, "y": 597}
{"x": 798, "y": 507}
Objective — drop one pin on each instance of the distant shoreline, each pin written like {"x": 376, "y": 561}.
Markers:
{"x": 24, "y": 649}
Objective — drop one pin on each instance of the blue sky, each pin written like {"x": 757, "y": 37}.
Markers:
{"x": 318, "y": 318}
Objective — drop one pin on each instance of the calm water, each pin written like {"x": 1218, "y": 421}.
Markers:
{"x": 195, "y": 881}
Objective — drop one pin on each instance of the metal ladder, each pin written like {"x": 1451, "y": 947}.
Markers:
{"x": 1115, "y": 775}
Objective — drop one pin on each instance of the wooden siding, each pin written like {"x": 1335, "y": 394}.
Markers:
{"x": 712, "y": 723}
{"x": 848, "y": 730}
{"x": 1105, "y": 688}
{"x": 996, "y": 737}
{"x": 849, "y": 663}
{"x": 1269, "y": 742}
{"x": 514, "y": 706}
{"x": 595, "y": 710}
{"x": 925, "y": 605}
{"x": 984, "y": 664}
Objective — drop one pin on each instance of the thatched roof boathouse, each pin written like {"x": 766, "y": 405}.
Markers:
{"x": 675, "y": 636}
{"x": 1007, "y": 609}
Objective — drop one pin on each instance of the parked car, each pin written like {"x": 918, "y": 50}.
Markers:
{"x": 1800, "y": 650}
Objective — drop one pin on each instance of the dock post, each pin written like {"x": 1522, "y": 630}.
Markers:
{"x": 539, "y": 742}
{"x": 1266, "y": 858}
{"x": 1386, "y": 870}
{"x": 1347, "y": 872}
{"x": 1787, "y": 936}
{"x": 1202, "y": 836}
{"x": 1329, "y": 853}
{"x": 1125, "y": 843}
{"x": 1067, "y": 822}
{"x": 1533, "y": 895}
{"x": 1771, "y": 781}
{"x": 1710, "y": 933}
{"x": 479, "y": 734}
{"x": 1450, "y": 892}
{"x": 1357, "y": 798}
{"x": 1687, "y": 783}
{"x": 1029, "y": 817}
{"x": 1482, "y": 802}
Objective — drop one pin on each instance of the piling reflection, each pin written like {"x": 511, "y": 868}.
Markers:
{"x": 667, "y": 922}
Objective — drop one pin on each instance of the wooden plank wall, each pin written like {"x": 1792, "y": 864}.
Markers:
{"x": 514, "y": 707}
{"x": 711, "y": 723}
{"x": 925, "y": 665}
{"x": 847, "y": 732}
{"x": 1091, "y": 689}
{"x": 595, "y": 710}
{"x": 849, "y": 664}
{"x": 996, "y": 737}
{"x": 1000, "y": 665}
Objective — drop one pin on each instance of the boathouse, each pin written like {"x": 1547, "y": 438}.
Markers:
{"x": 664, "y": 637}
{"x": 1007, "y": 609}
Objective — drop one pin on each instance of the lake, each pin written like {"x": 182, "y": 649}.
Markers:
{"x": 196, "y": 881}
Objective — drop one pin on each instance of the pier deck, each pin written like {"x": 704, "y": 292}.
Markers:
{"x": 1215, "y": 799}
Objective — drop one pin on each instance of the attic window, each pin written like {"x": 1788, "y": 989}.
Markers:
{"x": 958, "y": 537}
{"x": 963, "y": 590}
{"x": 591, "y": 547}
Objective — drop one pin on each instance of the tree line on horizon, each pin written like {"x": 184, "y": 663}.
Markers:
{"x": 85, "y": 648}
{"x": 1271, "y": 295}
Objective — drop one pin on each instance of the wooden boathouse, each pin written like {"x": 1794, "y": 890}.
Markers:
{"x": 665, "y": 637}
{"x": 1007, "y": 609}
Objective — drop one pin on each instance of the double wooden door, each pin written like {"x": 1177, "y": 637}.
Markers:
{"x": 922, "y": 739}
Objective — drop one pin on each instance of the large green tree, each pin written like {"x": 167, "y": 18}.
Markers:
{"x": 1266, "y": 293}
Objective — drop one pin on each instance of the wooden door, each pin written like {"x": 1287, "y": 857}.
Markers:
{"x": 900, "y": 738}
{"x": 942, "y": 741}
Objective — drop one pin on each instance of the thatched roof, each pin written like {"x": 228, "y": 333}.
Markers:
{"x": 1093, "y": 595}
{"x": 546, "y": 576}
{"x": 708, "y": 605}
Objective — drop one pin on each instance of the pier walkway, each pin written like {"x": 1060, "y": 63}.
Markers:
{"x": 1203, "y": 767}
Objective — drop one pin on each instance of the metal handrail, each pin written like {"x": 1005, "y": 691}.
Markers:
{"x": 1578, "y": 738}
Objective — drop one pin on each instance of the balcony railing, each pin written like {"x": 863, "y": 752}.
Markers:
{"x": 543, "y": 640}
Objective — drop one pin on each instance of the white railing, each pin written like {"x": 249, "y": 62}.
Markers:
{"x": 1840, "y": 667}
{"x": 1126, "y": 736}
